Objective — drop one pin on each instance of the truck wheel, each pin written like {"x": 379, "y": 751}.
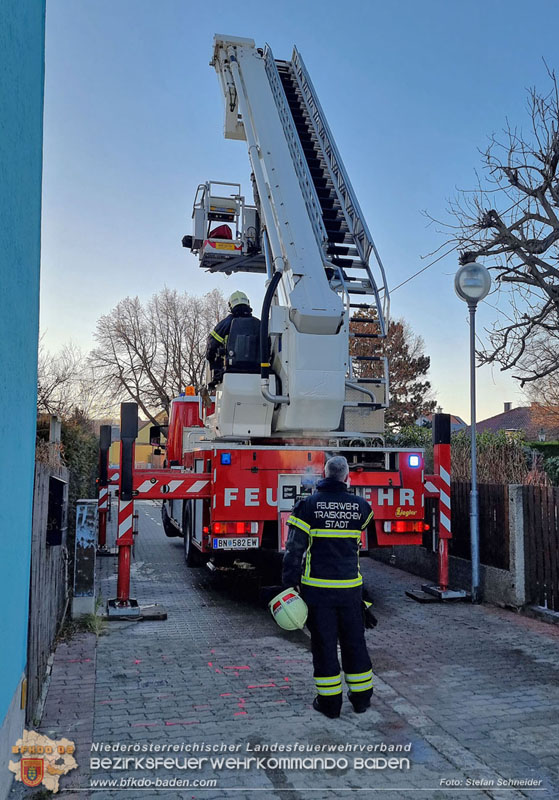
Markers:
{"x": 192, "y": 556}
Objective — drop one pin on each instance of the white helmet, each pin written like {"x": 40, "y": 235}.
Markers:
{"x": 289, "y": 610}
{"x": 238, "y": 299}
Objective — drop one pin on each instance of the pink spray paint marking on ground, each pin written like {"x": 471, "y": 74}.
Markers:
{"x": 236, "y": 667}
{"x": 262, "y": 686}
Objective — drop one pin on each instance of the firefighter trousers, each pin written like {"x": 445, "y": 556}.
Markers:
{"x": 327, "y": 626}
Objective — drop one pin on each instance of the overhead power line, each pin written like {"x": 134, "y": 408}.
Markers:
{"x": 419, "y": 271}
{"x": 415, "y": 274}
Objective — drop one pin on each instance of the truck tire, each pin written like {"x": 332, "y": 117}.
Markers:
{"x": 169, "y": 526}
{"x": 192, "y": 556}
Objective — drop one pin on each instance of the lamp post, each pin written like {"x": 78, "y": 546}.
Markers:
{"x": 472, "y": 284}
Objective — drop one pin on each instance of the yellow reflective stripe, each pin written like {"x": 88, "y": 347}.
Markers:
{"x": 217, "y": 337}
{"x": 332, "y": 533}
{"x": 264, "y": 364}
{"x": 369, "y": 518}
{"x": 331, "y": 584}
{"x": 298, "y": 523}
{"x": 359, "y": 676}
{"x": 367, "y": 604}
{"x": 361, "y": 687}
{"x": 322, "y": 690}
{"x": 307, "y": 565}
{"x": 329, "y": 681}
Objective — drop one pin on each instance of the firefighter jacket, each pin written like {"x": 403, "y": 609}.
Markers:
{"x": 327, "y": 525}
{"x": 217, "y": 340}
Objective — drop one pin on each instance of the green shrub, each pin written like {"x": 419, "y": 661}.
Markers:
{"x": 81, "y": 456}
{"x": 548, "y": 449}
{"x": 551, "y": 466}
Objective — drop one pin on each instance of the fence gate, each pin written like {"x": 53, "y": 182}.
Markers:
{"x": 541, "y": 545}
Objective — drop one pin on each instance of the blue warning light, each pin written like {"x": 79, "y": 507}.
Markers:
{"x": 414, "y": 461}
{"x": 226, "y": 458}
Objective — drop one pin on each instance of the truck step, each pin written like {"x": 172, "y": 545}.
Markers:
{"x": 364, "y": 335}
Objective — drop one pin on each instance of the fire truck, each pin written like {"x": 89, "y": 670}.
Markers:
{"x": 237, "y": 464}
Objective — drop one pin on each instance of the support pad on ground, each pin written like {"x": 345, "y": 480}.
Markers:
{"x": 445, "y": 594}
{"x": 117, "y": 609}
{"x": 131, "y": 611}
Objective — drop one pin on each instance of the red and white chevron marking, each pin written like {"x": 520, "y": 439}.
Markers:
{"x": 125, "y": 520}
{"x": 444, "y": 500}
{"x": 178, "y": 487}
{"x": 114, "y": 475}
{"x": 103, "y": 501}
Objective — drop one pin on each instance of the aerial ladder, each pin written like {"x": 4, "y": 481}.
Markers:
{"x": 307, "y": 232}
{"x": 236, "y": 465}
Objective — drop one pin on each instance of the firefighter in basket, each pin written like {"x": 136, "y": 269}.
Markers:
{"x": 234, "y": 343}
{"x": 328, "y": 525}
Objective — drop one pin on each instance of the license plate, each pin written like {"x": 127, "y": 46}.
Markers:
{"x": 239, "y": 543}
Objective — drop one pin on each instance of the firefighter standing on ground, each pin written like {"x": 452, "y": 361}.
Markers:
{"x": 328, "y": 525}
{"x": 239, "y": 306}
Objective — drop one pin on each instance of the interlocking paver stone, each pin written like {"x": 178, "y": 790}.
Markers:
{"x": 474, "y": 689}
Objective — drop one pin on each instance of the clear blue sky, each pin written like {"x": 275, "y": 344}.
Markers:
{"x": 134, "y": 118}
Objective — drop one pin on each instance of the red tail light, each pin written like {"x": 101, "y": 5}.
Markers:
{"x": 408, "y": 526}
{"x": 235, "y": 527}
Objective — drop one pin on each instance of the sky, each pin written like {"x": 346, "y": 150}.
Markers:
{"x": 134, "y": 122}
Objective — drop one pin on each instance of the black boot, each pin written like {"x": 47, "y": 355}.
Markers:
{"x": 358, "y": 706}
{"x": 328, "y": 712}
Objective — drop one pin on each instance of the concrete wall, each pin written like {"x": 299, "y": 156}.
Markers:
{"x": 499, "y": 586}
{"x": 22, "y": 38}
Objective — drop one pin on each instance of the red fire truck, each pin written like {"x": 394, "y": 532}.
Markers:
{"x": 236, "y": 466}
{"x": 243, "y": 492}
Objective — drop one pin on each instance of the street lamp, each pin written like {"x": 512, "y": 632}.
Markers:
{"x": 472, "y": 284}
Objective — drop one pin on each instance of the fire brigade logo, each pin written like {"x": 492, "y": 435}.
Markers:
{"x": 32, "y": 771}
{"x": 43, "y": 760}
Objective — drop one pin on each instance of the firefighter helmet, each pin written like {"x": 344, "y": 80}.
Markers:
{"x": 289, "y": 610}
{"x": 238, "y": 299}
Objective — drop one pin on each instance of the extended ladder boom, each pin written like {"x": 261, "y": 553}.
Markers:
{"x": 316, "y": 247}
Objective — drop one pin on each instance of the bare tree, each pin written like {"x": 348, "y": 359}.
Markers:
{"x": 65, "y": 382}
{"x": 512, "y": 220}
{"x": 149, "y": 352}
